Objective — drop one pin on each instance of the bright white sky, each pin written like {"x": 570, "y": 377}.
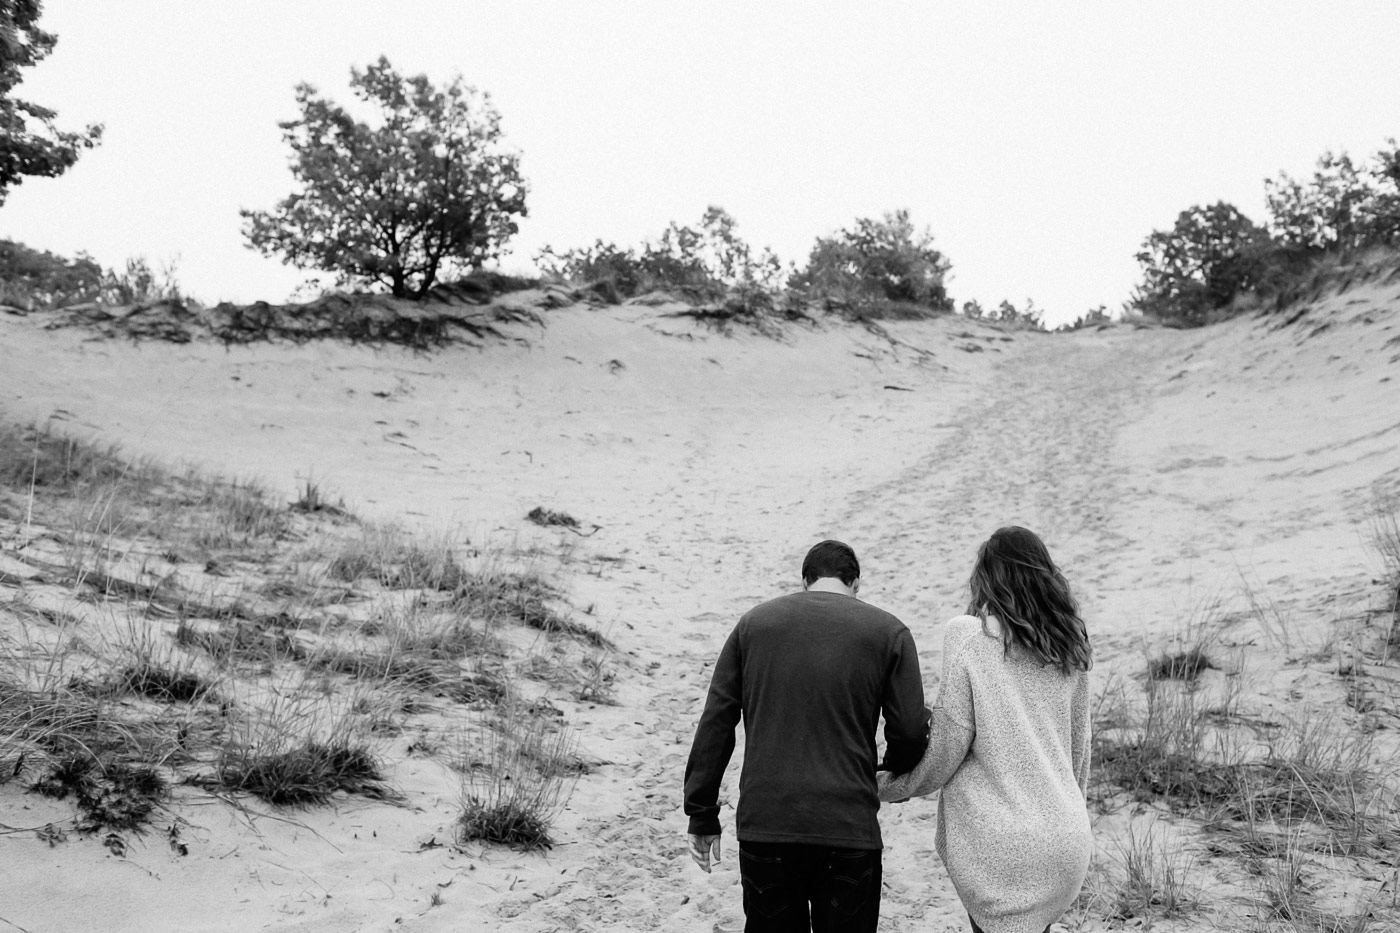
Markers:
{"x": 1041, "y": 142}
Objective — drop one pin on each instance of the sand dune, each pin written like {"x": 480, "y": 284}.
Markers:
{"x": 1164, "y": 468}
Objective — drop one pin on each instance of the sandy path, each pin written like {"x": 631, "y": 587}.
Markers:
{"x": 1046, "y": 464}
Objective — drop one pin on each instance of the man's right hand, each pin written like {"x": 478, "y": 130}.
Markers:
{"x": 702, "y": 848}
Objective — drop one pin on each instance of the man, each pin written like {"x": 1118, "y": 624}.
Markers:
{"x": 810, "y": 673}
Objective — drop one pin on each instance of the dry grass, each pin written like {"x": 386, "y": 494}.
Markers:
{"x": 1308, "y": 771}
{"x": 297, "y": 745}
{"x": 1385, "y": 539}
{"x": 1152, "y": 876}
{"x": 204, "y": 641}
{"x": 1191, "y": 650}
{"x": 518, "y": 772}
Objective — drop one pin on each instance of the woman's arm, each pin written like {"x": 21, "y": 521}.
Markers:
{"x": 1081, "y": 732}
{"x": 948, "y": 744}
{"x": 950, "y": 733}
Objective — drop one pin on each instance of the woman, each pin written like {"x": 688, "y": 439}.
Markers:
{"x": 1009, "y": 745}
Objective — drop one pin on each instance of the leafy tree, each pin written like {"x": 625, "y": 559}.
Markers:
{"x": 30, "y": 143}
{"x": 427, "y": 188}
{"x": 885, "y": 260}
{"x": 1343, "y": 206}
{"x": 1327, "y": 212}
{"x": 1210, "y": 255}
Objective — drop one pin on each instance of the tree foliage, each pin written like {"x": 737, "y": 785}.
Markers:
{"x": 31, "y": 278}
{"x": 708, "y": 259}
{"x": 37, "y": 280}
{"x": 427, "y": 188}
{"x": 1343, "y": 206}
{"x": 886, "y": 260}
{"x": 1209, "y": 256}
{"x": 30, "y": 143}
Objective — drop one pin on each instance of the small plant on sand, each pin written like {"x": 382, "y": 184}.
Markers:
{"x": 518, "y": 772}
{"x": 235, "y": 514}
{"x": 109, "y": 794}
{"x": 42, "y": 458}
{"x": 1181, "y": 665}
{"x": 1190, "y": 652}
{"x": 1385, "y": 538}
{"x": 299, "y": 748}
{"x": 597, "y": 680}
{"x": 390, "y": 557}
{"x": 547, "y": 518}
{"x": 311, "y": 498}
{"x": 1153, "y": 879}
{"x": 306, "y": 774}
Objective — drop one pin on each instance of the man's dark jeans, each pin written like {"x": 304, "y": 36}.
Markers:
{"x": 792, "y": 888}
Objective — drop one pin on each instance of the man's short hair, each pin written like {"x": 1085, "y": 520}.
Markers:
{"x": 830, "y": 559}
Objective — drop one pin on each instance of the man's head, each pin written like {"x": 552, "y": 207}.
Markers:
{"x": 831, "y": 559}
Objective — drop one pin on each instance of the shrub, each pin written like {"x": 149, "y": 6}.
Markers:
{"x": 32, "y": 279}
{"x": 875, "y": 267}
{"x": 139, "y": 283}
{"x": 1211, "y": 256}
{"x": 1091, "y": 318}
{"x": 1344, "y": 206}
{"x": 429, "y": 186}
{"x": 703, "y": 262}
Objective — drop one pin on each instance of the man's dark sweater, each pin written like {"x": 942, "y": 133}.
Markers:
{"x": 810, "y": 673}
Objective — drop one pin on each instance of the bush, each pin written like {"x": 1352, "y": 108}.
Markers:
{"x": 1211, "y": 256}
{"x": 32, "y": 279}
{"x": 1344, "y": 206}
{"x": 1091, "y": 318}
{"x": 876, "y": 266}
{"x": 703, "y": 262}
{"x": 430, "y": 186}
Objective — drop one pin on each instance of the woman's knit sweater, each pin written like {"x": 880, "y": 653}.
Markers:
{"x": 1009, "y": 748}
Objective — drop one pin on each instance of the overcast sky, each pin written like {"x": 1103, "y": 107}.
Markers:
{"x": 1041, "y": 142}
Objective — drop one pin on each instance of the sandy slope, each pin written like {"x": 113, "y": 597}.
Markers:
{"x": 1161, "y": 467}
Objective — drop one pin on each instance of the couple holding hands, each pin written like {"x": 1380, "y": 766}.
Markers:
{"x": 1006, "y": 743}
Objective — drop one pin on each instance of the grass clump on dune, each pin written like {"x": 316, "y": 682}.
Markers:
{"x": 109, "y": 795}
{"x": 1182, "y": 665}
{"x": 304, "y": 775}
{"x": 518, "y": 772}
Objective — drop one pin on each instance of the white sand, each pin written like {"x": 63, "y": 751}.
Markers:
{"x": 1161, "y": 467}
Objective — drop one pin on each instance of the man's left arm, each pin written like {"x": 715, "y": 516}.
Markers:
{"x": 906, "y": 718}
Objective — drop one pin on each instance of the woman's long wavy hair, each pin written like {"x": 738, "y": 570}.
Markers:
{"x": 1015, "y": 580}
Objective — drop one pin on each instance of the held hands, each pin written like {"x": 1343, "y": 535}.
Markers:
{"x": 702, "y": 848}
